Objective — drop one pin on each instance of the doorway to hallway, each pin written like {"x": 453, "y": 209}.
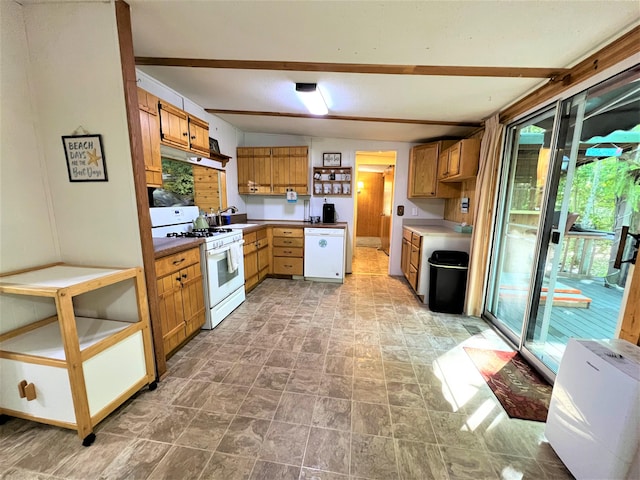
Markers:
{"x": 374, "y": 181}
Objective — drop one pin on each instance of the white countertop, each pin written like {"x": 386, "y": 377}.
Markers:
{"x": 440, "y": 230}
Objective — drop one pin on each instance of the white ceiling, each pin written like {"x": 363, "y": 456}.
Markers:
{"x": 451, "y": 33}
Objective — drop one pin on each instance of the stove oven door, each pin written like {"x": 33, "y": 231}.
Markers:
{"x": 221, "y": 282}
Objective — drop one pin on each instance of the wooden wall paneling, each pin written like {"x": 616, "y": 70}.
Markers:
{"x": 452, "y": 205}
{"x": 370, "y": 201}
{"x": 125, "y": 40}
{"x": 206, "y": 186}
{"x": 222, "y": 177}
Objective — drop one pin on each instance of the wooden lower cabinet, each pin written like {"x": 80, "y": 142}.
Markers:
{"x": 288, "y": 251}
{"x": 180, "y": 290}
{"x": 256, "y": 258}
{"x": 410, "y": 257}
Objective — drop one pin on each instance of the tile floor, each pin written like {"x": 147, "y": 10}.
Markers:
{"x": 307, "y": 381}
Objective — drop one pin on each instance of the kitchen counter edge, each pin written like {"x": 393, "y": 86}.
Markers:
{"x": 287, "y": 223}
{"x": 427, "y": 230}
{"x": 164, "y": 247}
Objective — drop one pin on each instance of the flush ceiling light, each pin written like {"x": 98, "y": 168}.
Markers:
{"x": 312, "y": 98}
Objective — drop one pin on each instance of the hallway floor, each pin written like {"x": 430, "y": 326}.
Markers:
{"x": 307, "y": 381}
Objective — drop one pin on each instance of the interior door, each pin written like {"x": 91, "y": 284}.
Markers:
{"x": 369, "y": 204}
{"x": 387, "y": 208}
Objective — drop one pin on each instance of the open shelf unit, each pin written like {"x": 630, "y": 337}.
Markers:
{"x": 332, "y": 181}
{"x": 73, "y": 371}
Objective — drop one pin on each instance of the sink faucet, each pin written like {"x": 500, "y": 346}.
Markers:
{"x": 220, "y": 212}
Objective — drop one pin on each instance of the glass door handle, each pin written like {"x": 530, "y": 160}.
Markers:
{"x": 623, "y": 242}
{"x": 555, "y": 237}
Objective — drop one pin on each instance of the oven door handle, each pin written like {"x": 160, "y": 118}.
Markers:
{"x": 218, "y": 251}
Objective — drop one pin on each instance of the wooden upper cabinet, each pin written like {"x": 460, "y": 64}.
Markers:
{"x": 281, "y": 170}
{"x": 462, "y": 161}
{"x": 254, "y": 170}
{"x": 424, "y": 170}
{"x": 299, "y": 170}
{"x": 150, "y": 130}
{"x": 273, "y": 170}
{"x": 290, "y": 169}
{"x": 198, "y": 135}
{"x": 174, "y": 127}
{"x": 423, "y": 167}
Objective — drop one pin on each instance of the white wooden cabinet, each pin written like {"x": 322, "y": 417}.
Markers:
{"x": 73, "y": 371}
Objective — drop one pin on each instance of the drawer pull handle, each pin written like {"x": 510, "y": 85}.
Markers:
{"x": 27, "y": 390}
{"x": 178, "y": 262}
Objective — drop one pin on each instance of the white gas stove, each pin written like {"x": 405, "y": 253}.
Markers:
{"x": 221, "y": 255}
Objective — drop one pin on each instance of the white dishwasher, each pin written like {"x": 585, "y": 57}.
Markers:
{"x": 324, "y": 254}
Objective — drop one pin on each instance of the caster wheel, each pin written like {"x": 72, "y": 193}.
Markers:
{"x": 153, "y": 386}
{"x": 88, "y": 440}
{"x": 4, "y": 419}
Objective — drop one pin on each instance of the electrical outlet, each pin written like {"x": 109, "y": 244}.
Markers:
{"x": 414, "y": 211}
{"x": 464, "y": 205}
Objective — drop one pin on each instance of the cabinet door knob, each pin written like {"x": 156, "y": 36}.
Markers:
{"x": 27, "y": 390}
{"x": 185, "y": 134}
{"x": 184, "y": 275}
{"x": 193, "y": 137}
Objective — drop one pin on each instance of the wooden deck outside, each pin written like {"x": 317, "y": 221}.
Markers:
{"x": 597, "y": 322}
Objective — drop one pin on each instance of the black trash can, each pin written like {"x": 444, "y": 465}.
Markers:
{"x": 448, "y": 280}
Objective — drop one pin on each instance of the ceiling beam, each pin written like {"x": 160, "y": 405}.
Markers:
{"x": 216, "y": 111}
{"x": 380, "y": 69}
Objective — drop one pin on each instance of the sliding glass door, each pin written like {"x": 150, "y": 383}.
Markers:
{"x": 517, "y": 233}
{"x": 570, "y": 184}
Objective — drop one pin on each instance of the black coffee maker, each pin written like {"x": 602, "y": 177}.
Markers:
{"x": 328, "y": 213}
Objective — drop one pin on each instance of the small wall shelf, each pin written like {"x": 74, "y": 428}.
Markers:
{"x": 332, "y": 181}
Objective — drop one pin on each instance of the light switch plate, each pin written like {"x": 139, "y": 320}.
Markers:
{"x": 414, "y": 211}
{"x": 464, "y": 205}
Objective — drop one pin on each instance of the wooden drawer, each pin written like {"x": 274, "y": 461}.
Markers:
{"x": 288, "y": 232}
{"x": 250, "y": 237}
{"x": 415, "y": 256}
{"x": 406, "y": 234}
{"x": 287, "y": 266}
{"x": 175, "y": 262}
{"x": 288, "y": 242}
{"x": 248, "y": 248}
{"x": 261, "y": 234}
{"x": 416, "y": 239}
{"x": 288, "y": 252}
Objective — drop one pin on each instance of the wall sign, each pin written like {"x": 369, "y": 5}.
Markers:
{"x": 85, "y": 161}
{"x": 331, "y": 159}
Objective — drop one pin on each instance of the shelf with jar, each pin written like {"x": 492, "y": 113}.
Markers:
{"x": 335, "y": 181}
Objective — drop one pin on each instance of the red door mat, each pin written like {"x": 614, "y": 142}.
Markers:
{"x": 521, "y": 391}
{"x": 563, "y": 296}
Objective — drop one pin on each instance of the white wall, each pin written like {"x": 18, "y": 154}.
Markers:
{"x": 27, "y": 228}
{"x": 61, "y": 64}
